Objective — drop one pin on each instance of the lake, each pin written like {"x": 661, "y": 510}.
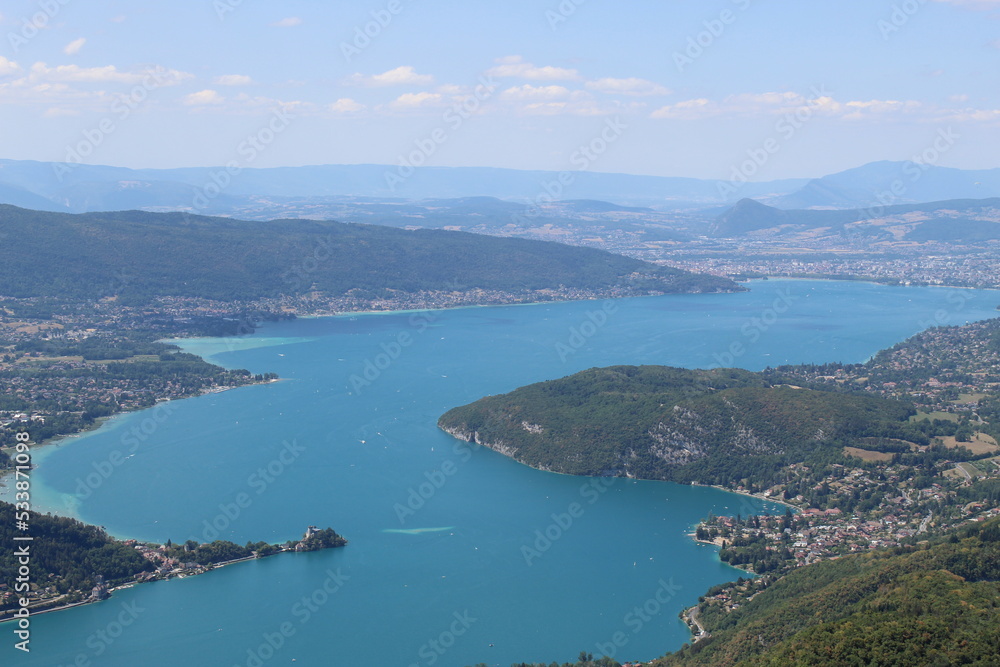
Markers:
{"x": 457, "y": 555}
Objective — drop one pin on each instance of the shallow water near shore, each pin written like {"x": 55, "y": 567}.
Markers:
{"x": 456, "y": 555}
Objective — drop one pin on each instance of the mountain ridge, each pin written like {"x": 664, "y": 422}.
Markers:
{"x": 147, "y": 255}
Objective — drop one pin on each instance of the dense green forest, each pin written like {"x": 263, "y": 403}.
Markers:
{"x": 67, "y": 556}
{"x": 722, "y": 426}
{"x": 934, "y": 604}
{"x": 139, "y": 256}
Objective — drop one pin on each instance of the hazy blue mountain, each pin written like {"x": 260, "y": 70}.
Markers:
{"x": 86, "y": 188}
{"x": 68, "y": 184}
{"x": 956, "y": 220}
{"x": 872, "y": 185}
{"x": 18, "y": 196}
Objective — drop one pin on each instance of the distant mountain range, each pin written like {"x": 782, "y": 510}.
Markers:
{"x": 891, "y": 183}
{"x": 87, "y": 188}
{"x": 140, "y": 255}
{"x": 952, "y": 221}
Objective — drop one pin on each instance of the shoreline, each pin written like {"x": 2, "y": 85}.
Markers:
{"x": 133, "y": 584}
{"x": 473, "y": 444}
{"x": 758, "y": 496}
{"x": 99, "y": 423}
{"x": 315, "y": 315}
{"x": 867, "y": 280}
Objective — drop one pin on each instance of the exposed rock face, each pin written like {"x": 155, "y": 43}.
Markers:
{"x": 532, "y": 428}
{"x": 473, "y": 437}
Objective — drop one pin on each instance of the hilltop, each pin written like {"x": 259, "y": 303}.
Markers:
{"x": 951, "y": 221}
{"x": 656, "y": 422}
{"x": 147, "y": 255}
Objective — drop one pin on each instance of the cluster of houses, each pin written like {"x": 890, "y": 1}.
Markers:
{"x": 15, "y": 419}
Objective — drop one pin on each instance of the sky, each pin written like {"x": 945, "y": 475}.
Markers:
{"x": 775, "y": 89}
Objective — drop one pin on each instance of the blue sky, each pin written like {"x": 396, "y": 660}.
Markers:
{"x": 694, "y": 88}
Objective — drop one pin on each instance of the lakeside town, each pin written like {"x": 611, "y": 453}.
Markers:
{"x": 878, "y": 499}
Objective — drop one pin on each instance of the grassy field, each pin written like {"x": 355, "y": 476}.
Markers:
{"x": 867, "y": 454}
{"x": 981, "y": 443}
{"x": 934, "y": 415}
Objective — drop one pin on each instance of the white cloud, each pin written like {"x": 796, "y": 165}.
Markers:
{"x": 108, "y": 74}
{"x": 514, "y": 66}
{"x": 204, "y": 98}
{"x": 58, "y": 112}
{"x": 688, "y": 110}
{"x": 527, "y": 92}
{"x": 74, "y": 47}
{"x": 8, "y": 67}
{"x": 401, "y": 76}
{"x": 748, "y": 104}
{"x": 856, "y": 110}
{"x": 775, "y": 104}
{"x": 23, "y": 91}
{"x": 244, "y": 104}
{"x": 346, "y": 105}
{"x": 416, "y": 101}
{"x": 629, "y": 86}
{"x": 973, "y": 115}
{"x": 289, "y": 22}
{"x": 232, "y": 80}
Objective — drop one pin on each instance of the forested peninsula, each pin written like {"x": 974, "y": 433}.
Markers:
{"x": 891, "y": 466}
{"x": 74, "y": 563}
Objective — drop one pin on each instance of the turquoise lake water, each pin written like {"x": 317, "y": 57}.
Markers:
{"x": 456, "y": 556}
